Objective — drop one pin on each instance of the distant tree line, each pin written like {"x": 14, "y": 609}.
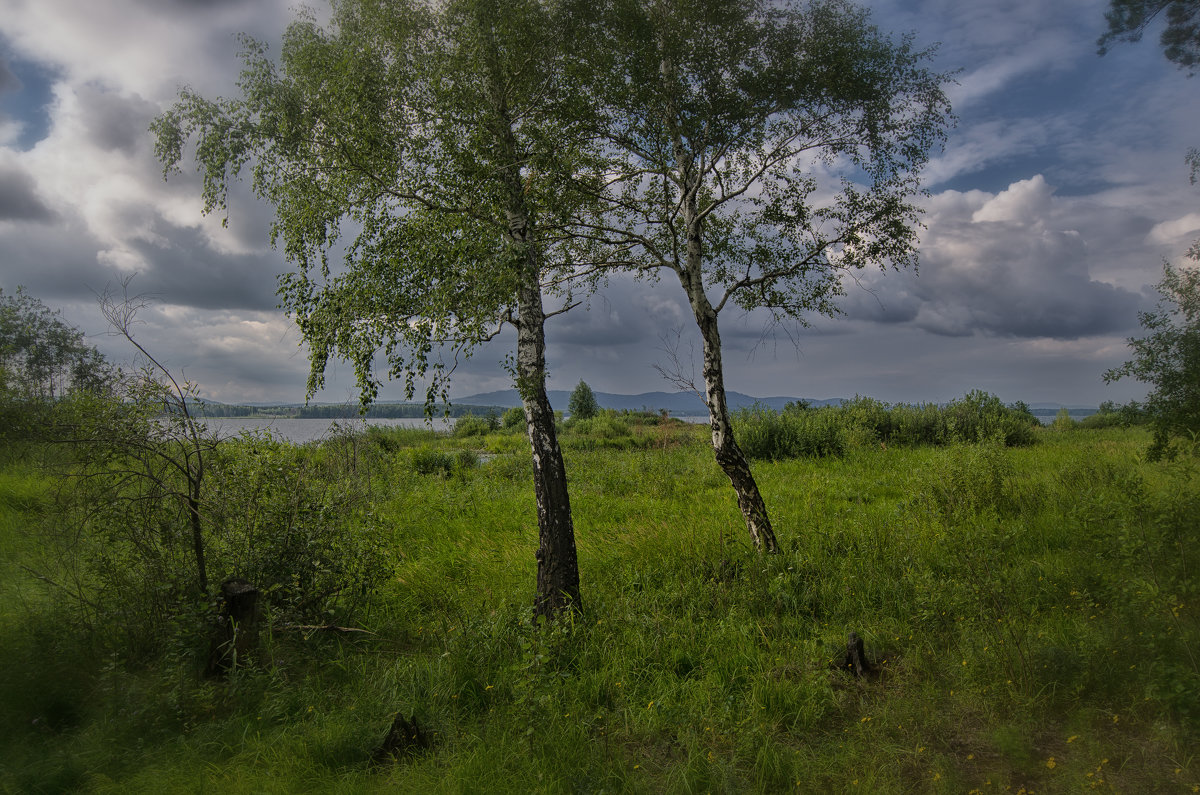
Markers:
{"x": 391, "y": 411}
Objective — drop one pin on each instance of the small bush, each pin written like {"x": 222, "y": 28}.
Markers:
{"x": 972, "y": 478}
{"x": 470, "y": 425}
{"x": 514, "y": 419}
{"x": 430, "y": 461}
{"x": 1062, "y": 420}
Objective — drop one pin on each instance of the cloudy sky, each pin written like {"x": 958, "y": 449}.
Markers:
{"x": 1051, "y": 209}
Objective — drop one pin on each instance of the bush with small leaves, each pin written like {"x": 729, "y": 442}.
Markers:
{"x": 470, "y": 425}
{"x": 513, "y": 419}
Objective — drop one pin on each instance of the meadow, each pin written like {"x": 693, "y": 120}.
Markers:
{"x": 1032, "y": 612}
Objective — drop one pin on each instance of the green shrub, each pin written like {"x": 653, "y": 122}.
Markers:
{"x": 514, "y": 419}
{"x": 430, "y": 461}
{"x": 296, "y": 532}
{"x": 921, "y": 424}
{"x": 763, "y": 433}
{"x": 1062, "y": 420}
{"x": 972, "y": 478}
{"x": 470, "y": 425}
{"x": 980, "y": 415}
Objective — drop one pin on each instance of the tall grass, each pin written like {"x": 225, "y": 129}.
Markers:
{"x": 1030, "y": 609}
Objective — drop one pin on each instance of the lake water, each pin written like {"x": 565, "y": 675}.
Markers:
{"x": 308, "y": 430}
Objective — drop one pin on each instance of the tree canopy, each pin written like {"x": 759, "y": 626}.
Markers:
{"x": 41, "y": 355}
{"x": 760, "y": 151}
{"x": 393, "y": 140}
{"x": 1168, "y": 358}
{"x": 582, "y": 403}
{"x": 1180, "y": 38}
{"x": 441, "y": 140}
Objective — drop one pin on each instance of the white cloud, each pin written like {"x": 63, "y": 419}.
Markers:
{"x": 1175, "y": 232}
{"x": 1026, "y": 202}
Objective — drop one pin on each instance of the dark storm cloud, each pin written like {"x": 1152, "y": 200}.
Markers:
{"x": 19, "y": 199}
{"x": 997, "y": 265}
{"x": 626, "y": 313}
{"x": 184, "y": 270}
{"x": 115, "y": 122}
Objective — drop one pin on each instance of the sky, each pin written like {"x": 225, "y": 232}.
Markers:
{"x": 1051, "y": 209}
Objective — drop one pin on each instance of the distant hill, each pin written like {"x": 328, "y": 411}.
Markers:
{"x": 681, "y": 403}
{"x": 678, "y": 403}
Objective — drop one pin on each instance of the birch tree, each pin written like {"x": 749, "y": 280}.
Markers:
{"x": 761, "y": 151}
{"x": 414, "y": 153}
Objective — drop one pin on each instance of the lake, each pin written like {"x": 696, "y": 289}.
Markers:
{"x": 307, "y": 430}
{"x": 299, "y": 431}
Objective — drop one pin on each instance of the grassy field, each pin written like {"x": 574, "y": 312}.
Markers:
{"x": 1033, "y": 612}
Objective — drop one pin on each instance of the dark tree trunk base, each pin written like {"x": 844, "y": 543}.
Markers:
{"x": 855, "y": 659}
{"x": 404, "y": 738}
{"x": 236, "y": 635}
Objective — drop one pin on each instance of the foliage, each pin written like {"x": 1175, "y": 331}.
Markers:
{"x": 1180, "y": 38}
{"x": 1063, "y": 420}
{"x": 731, "y": 106}
{"x": 42, "y": 358}
{"x": 41, "y": 355}
{"x": 582, "y": 404}
{"x": 1168, "y": 359}
{"x": 471, "y": 425}
{"x": 1111, "y": 415}
{"x": 153, "y": 508}
{"x": 763, "y": 433}
{"x": 513, "y": 419}
{"x": 799, "y": 431}
{"x": 397, "y": 120}
{"x": 295, "y": 524}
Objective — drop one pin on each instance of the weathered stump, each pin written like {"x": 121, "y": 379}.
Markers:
{"x": 236, "y": 635}
{"x": 855, "y": 660}
{"x": 404, "y": 738}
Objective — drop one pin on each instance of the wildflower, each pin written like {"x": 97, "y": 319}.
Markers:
{"x": 1051, "y": 763}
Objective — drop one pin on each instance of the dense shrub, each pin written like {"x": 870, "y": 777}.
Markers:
{"x": 763, "y": 433}
{"x": 471, "y": 425}
{"x": 979, "y": 416}
{"x": 300, "y": 534}
{"x": 801, "y": 431}
{"x": 605, "y": 429}
{"x": 514, "y": 419}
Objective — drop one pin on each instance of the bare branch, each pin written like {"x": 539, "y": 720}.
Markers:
{"x": 673, "y": 371}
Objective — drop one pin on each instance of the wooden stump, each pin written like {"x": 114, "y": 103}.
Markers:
{"x": 236, "y": 634}
{"x": 855, "y": 661}
{"x": 403, "y": 739}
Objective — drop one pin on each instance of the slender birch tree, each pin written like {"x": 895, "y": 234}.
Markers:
{"x": 761, "y": 151}
{"x": 424, "y": 169}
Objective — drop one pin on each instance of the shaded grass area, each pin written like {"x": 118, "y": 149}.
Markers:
{"x": 1032, "y": 610}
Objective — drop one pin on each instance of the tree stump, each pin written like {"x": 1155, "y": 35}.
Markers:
{"x": 855, "y": 660}
{"x": 403, "y": 739}
{"x": 236, "y": 634}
